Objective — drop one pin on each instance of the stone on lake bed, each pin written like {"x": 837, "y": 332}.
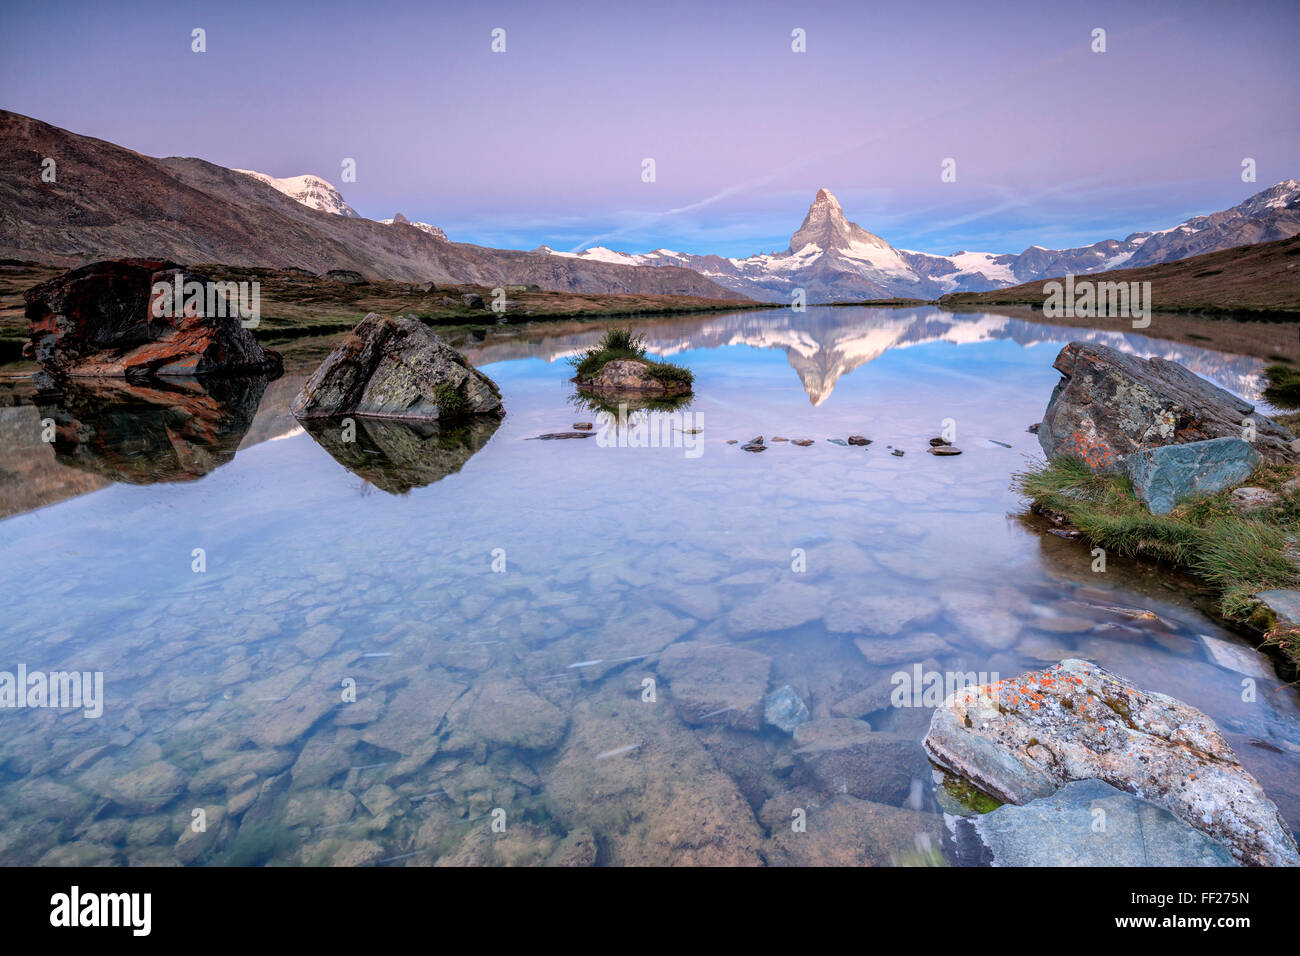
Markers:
{"x": 1165, "y": 475}
{"x": 753, "y": 446}
{"x": 557, "y": 436}
{"x": 582, "y": 426}
{"x": 1235, "y": 657}
{"x": 944, "y": 451}
{"x": 779, "y": 438}
{"x": 846, "y": 756}
{"x": 837, "y": 441}
{"x": 1024, "y": 738}
{"x": 859, "y": 440}
{"x": 802, "y": 442}
{"x": 936, "y": 442}
{"x": 897, "y": 453}
{"x": 716, "y": 685}
{"x": 1060, "y": 830}
{"x": 784, "y": 709}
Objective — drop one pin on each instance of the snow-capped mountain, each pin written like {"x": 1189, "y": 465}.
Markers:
{"x": 432, "y": 230}
{"x": 309, "y": 190}
{"x": 833, "y": 259}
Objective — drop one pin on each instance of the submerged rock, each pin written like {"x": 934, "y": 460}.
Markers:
{"x": 1110, "y": 405}
{"x": 850, "y": 832}
{"x": 1165, "y": 475}
{"x": 397, "y": 368}
{"x": 120, "y": 319}
{"x": 1090, "y": 823}
{"x": 859, "y": 440}
{"x": 944, "y": 451}
{"x": 716, "y": 685}
{"x": 846, "y": 756}
{"x": 784, "y": 710}
{"x": 1022, "y": 739}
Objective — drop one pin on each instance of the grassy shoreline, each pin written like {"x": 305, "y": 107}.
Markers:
{"x": 1237, "y": 553}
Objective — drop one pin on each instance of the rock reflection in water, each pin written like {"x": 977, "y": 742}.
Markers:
{"x": 396, "y": 456}
{"x": 157, "y": 431}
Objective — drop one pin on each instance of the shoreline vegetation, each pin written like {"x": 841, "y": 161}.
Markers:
{"x": 1237, "y": 552}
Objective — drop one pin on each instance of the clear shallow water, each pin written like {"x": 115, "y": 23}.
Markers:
{"x": 525, "y": 691}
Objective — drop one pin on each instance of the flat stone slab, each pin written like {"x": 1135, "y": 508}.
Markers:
{"x": 1284, "y": 604}
{"x": 1090, "y": 823}
{"x": 1022, "y": 739}
{"x": 1165, "y": 475}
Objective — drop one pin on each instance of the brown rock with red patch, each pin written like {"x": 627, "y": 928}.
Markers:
{"x": 110, "y": 320}
{"x": 1110, "y": 405}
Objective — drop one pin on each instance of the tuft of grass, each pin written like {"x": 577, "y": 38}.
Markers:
{"x": 451, "y": 402}
{"x": 1283, "y": 388}
{"x": 625, "y": 344}
{"x": 1239, "y": 554}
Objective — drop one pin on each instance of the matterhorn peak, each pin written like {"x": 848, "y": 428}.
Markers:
{"x": 827, "y": 229}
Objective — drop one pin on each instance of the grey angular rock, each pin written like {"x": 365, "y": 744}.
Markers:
{"x": 1165, "y": 475}
{"x": 396, "y": 368}
{"x": 1110, "y": 405}
{"x": 1061, "y": 830}
{"x": 784, "y": 709}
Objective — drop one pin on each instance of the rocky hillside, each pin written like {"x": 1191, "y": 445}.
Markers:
{"x": 110, "y": 202}
{"x": 1261, "y": 278}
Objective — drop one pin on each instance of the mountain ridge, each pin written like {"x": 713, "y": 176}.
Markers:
{"x": 109, "y": 202}
{"x": 833, "y": 259}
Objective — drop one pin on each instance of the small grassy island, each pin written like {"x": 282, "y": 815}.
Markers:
{"x": 618, "y": 364}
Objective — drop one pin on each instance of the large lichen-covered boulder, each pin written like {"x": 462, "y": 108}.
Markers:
{"x": 397, "y": 368}
{"x": 1022, "y": 739}
{"x": 1167, "y": 474}
{"x": 110, "y": 320}
{"x": 1110, "y": 405}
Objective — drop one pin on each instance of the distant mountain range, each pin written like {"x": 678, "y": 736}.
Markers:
{"x": 833, "y": 259}
{"x": 107, "y": 201}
